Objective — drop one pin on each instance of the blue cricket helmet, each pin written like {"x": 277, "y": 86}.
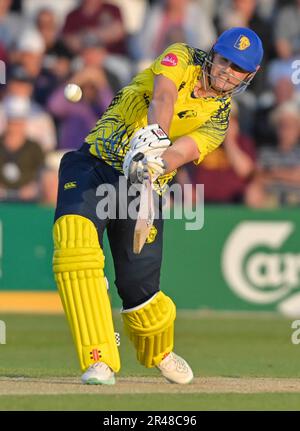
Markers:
{"x": 242, "y": 46}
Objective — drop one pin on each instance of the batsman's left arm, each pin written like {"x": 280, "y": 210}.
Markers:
{"x": 183, "y": 151}
{"x": 193, "y": 147}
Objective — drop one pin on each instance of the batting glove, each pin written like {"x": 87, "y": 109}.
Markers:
{"x": 143, "y": 168}
{"x": 150, "y": 140}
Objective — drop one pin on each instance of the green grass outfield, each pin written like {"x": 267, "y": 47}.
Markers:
{"x": 228, "y": 347}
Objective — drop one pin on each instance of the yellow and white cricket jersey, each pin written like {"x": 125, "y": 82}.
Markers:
{"x": 203, "y": 119}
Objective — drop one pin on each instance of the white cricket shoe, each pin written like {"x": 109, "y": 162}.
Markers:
{"x": 175, "y": 369}
{"x": 98, "y": 374}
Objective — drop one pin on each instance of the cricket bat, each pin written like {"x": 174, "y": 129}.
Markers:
{"x": 145, "y": 217}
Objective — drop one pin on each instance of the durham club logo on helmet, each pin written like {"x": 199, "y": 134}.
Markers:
{"x": 242, "y": 43}
{"x": 242, "y": 46}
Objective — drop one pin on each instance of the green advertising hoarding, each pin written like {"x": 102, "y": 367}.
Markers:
{"x": 241, "y": 259}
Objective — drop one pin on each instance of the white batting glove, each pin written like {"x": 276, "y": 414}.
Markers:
{"x": 150, "y": 139}
{"x": 143, "y": 168}
{"x": 156, "y": 166}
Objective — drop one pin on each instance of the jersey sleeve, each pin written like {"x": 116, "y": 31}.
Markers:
{"x": 211, "y": 134}
{"x": 173, "y": 62}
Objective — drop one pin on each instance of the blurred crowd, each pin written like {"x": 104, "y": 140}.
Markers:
{"x": 101, "y": 45}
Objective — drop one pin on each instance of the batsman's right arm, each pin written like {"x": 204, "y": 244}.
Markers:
{"x": 161, "y": 108}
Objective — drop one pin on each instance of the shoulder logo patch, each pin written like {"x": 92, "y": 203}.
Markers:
{"x": 242, "y": 43}
{"x": 170, "y": 59}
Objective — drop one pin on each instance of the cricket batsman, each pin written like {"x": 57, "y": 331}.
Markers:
{"x": 173, "y": 113}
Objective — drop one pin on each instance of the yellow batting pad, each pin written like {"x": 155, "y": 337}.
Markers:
{"x": 78, "y": 264}
{"x": 150, "y": 327}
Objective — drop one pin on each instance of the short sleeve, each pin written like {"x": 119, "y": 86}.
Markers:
{"x": 173, "y": 62}
{"x": 211, "y": 134}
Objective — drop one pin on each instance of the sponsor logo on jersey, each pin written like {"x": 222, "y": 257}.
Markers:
{"x": 182, "y": 85}
{"x": 70, "y": 185}
{"x": 187, "y": 114}
{"x": 242, "y": 43}
{"x": 170, "y": 60}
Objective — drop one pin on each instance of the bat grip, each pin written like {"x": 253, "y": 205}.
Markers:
{"x": 138, "y": 157}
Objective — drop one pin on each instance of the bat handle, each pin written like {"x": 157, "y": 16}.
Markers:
{"x": 138, "y": 157}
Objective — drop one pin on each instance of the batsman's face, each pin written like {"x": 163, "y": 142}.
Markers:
{"x": 225, "y": 75}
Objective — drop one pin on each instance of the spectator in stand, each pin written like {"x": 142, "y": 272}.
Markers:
{"x": 277, "y": 180}
{"x": 30, "y": 8}
{"x": 287, "y": 40}
{"x": 100, "y": 18}
{"x": 226, "y": 172}
{"x": 3, "y": 57}
{"x": 171, "y": 21}
{"x": 11, "y": 24}
{"x": 29, "y": 52}
{"x": 287, "y": 31}
{"x": 209, "y": 6}
{"x": 133, "y": 13}
{"x": 39, "y": 124}
{"x": 49, "y": 178}
{"x": 47, "y": 25}
{"x": 94, "y": 55}
{"x": 76, "y": 119}
{"x": 56, "y": 60}
{"x": 283, "y": 91}
{"x": 21, "y": 159}
{"x": 62, "y": 65}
